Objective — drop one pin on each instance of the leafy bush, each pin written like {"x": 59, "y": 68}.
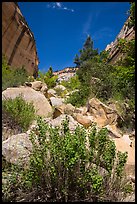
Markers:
{"x": 48, "y": 78}
{"x": 72, "y": 83}
{"x": 62, "y": 168}
{"x": 80, "y": 97}
{"x": 61, "y": 92}
{"x": 20, "y": 111}
{"x": 12, "y": 77}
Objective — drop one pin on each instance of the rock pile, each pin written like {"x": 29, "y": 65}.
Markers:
{"x": 53, "y": 109}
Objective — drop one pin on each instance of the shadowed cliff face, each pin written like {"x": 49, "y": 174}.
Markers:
{"x": 18, "y": 43}
{"x": 125, "y": 33}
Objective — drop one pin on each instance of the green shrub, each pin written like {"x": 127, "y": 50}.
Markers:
{"x": 62, "y": 168}
{"x": 12, "y": 77}
{"x": 72, "y": 83}
{"x": 61, "y": 92}
{"x": 80, "y": 97}
{"x": 20, "y": 111}
{"x": 48, "y": 78}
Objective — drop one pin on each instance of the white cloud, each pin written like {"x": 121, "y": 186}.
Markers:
{"x": 102, "y": 33}
{"x": 59, "y": 5}
{"x": 87, "y": 25}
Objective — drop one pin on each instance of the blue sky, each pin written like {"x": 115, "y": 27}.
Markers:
{"x": 60, "y": 28}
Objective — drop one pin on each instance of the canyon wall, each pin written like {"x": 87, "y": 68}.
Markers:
{"x": 18, "y": 43}
{"x": 66, "y": 73}
{"x": 125, "y": 33}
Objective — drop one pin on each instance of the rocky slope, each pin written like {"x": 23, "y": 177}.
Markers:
{"x": 18, "y": 43}
{"x": 53, "y": 109}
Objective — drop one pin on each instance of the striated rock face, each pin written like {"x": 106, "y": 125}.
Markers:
{"x": 18, "y": 43}
{"x": 66, "y": 73}
{"x": 125, "y": 33}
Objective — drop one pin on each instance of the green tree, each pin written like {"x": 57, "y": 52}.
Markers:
{"x": 50, "y": 72}
{"x": 131, "y": 22}
{"x": 77, "y": 60}
{"x": 86, "y": 53}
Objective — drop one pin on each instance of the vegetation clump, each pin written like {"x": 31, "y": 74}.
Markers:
{"x": 48, "y": 78}
{"x": 63, "y": 168}
{"x": 12, "y": 77}
{"x": 21, "y": 112}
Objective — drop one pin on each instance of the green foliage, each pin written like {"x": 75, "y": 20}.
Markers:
{"x": 86, "y": 53}
{"x": 122, "y": 158}
{"x": 12, "y": 77}
{"x": 111, "y": 81}
{"x": 79, "y": 98}
{"x": 50, "y": 72}
{"x": 102, "y": 88}
{"x": 132, "y": 15}
{"x": 48, "y": 78}
{"x": 104, "y": 56}
{"x": 30, "y": 79}
{"x": 72, "y": 84}
{"x": 62, "y": 168}
{"x": 61, "y": 92}
{"x": 20, "y": 111}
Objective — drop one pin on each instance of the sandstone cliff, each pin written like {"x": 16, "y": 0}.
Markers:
{"x": 18, "y": 43}
{"x": 66, "y": 73}
{"x": 125, "y": 33}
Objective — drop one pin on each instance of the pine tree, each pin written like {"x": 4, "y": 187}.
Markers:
{"x": 50, "y": 72}
{"x": 86, "y": 53}
{"x": 77, "y": 61}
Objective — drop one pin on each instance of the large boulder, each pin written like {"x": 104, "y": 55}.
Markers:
{"x": 123, "y": 146}
{"x": 127, "y": 140}
{"x": 63, "y": 109}
{"x": 82, "y": 110}
{"x": 44, "y": 89}
{"x": 113, "y": 131}
{"x": 36, "y": 85}
{"x": 56, "y": 101}
{"x": 102, "y": 114}
{"x": 41, "y": 104}
{"x": 63, "y": 88}
{"x": 17, "y": 148}
{"x": 50, "y": 93}
{"x": 86, "y": 121}
{"x": 58, "y": 121}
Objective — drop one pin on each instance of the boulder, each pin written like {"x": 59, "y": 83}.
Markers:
{"x": 102, "y": 114}
{"x": 41, "y": 104}
{"x": 37, "y": 85}
{"x": 86, "y": 121}
{"x": 127, "y": 140}
{"x": 50, "y": 93}
{"x": 44, "y": 89}
{"x": 27, "y": 84}
{"x": 123, "y": 146}
{"x": 63, "y": 88}
{"x": 113, "y": 131}
{"x": 17, "y": 148}
{"x": 58, "y": 121}
{"x": 82, "y": 110}
{"x": 63, "y": 109}
{"x": 56, "y": 101}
